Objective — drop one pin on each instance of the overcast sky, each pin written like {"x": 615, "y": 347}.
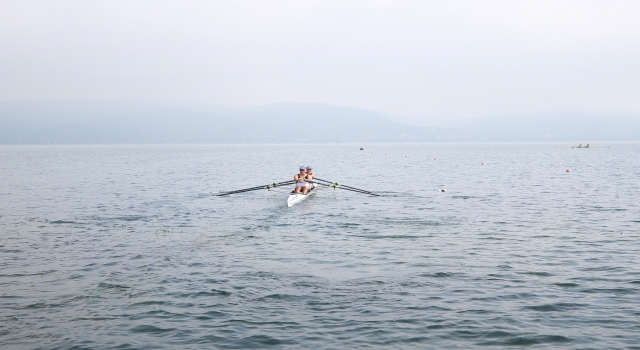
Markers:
{"x": 414, "y": 59}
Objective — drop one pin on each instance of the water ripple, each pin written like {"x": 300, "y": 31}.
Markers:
{"x": 99, "y": 250}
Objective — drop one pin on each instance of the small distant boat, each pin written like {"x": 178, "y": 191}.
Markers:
{"x": 362, "y": 149}
{"x": 295, "y": 198}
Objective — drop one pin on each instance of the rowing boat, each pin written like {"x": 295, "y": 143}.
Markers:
{"x": 295, "y": 198}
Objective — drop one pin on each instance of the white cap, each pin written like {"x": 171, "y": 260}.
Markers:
{"x": 302, "y": 167}
{"x": 309, "y": 168}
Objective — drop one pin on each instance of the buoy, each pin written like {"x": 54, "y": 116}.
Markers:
{"x": 407, "y": 156}
{"x": 436, "y": 158}
{"x": 483, "y": 163}
{"x": 568, "y": 170}
{"x": 362, "y": 149}
{"x": 442, "y": 190}
{"x": 386, "y": 154}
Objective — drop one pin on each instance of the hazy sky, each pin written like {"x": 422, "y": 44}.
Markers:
{"x": 420, "y": 59}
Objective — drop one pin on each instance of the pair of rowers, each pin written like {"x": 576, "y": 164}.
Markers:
{"x": 302, "y": 179}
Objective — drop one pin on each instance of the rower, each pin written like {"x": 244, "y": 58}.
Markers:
{"x": 310, "y": 173}
{"x": 310, "y": 176}
{"x": 302, "y": 186}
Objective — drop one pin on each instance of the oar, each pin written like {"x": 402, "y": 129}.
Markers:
{"x": 349, "y": 188}
{"x": 337, "y": 185}
{"x": 265, "y": 187}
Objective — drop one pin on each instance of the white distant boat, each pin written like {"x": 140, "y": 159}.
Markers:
{"x": 295, "y": 198}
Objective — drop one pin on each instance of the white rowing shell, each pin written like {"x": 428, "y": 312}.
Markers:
{"x": 295, "y": 198}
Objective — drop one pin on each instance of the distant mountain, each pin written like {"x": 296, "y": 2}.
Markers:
{"x": 550, "y": 126}
{"x": 150, "y": 121}
{"x": 144, "y": 121}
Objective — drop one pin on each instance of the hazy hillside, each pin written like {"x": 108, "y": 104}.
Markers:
{"x": 551, "y": 126}
{"x": 148, "y": 121}
{"x": 123, "y": 121}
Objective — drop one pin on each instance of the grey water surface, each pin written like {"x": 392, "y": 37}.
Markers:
{"x": 128, "y": 247}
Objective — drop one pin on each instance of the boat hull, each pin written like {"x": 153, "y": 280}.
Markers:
{"x": 295, "y": 198}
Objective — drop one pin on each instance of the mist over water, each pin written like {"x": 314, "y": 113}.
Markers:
{"x": 128, "y": 246}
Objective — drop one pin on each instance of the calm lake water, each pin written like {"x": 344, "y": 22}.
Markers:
{"x": 128, "y": 247}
